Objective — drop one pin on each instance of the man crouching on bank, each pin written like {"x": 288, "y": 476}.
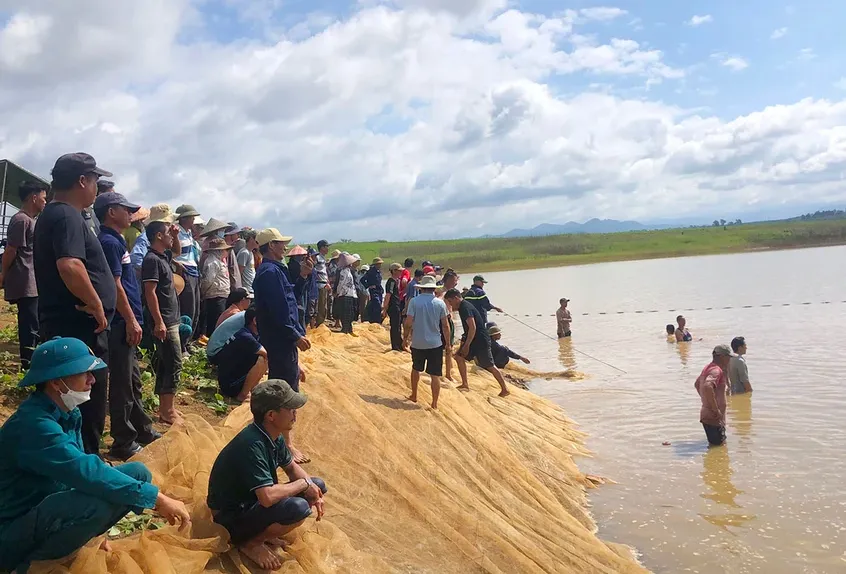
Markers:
{"x": 244, "y": 494}
{"x": 54, "y": 498}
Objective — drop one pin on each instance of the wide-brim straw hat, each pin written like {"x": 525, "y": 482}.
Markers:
{"x": 345, "y": 259}
{"x": 377, "y": 261}
{"x": 178, "y": 283}
{"x": 297, "y": 250}
{"x": 217, "y": 245}
{"x": 213, "y": 225}
{"x": 335, "y": 254}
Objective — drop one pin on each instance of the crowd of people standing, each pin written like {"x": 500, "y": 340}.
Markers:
{"x": 96, "y": 277}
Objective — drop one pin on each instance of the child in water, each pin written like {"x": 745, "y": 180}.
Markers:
{"x": 671, "y": 333}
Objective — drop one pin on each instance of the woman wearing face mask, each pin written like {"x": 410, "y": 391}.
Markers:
{"x": 54, "y": 498}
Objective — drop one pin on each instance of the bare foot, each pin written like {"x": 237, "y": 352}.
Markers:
{"x": 434, "y": 406}
{"x": 243, "y": 398}
{"x": 298, "y": 455}
{"x": 276, "y": 543}
{"x": 449, "y": 378}
{"x": 412, "y": 398}
{"x": 261, "y": 555}
{"x": 105, "y": 545}
{"x": 172, "y": 418}
{"x": 463, "y": 388}
{"x": 504, "y": 393}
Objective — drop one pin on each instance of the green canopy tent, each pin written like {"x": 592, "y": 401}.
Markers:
{"x": 11, "y": 177}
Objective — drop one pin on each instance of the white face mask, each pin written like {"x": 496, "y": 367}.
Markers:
{"x": 73, "y": 399}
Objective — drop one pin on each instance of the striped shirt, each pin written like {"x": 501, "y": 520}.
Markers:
{"x": 186, "y": 255}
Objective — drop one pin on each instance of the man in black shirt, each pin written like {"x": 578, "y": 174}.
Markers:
{"x": 475, "y": 343}
{"x": 162, "y": 312}
{"x": 77, "y": 294}
{"x": 392, "y": 307}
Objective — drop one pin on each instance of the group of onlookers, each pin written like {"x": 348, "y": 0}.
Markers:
{"x": 96, "y": 277}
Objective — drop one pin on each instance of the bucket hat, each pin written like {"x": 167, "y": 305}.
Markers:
{"x": 60, "y": 357}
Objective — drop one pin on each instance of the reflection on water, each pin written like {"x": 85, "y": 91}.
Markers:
{"x": 716, "y": 475}
{"x": 772, "y": 500}
{"x": 566, "y": 355}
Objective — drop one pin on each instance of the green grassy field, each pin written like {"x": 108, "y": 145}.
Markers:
{"x": 500, "y": 254}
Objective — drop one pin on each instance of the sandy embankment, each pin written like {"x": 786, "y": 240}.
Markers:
{"x": 484, "y": 485}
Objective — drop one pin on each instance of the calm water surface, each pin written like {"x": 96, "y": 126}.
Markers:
{"x": 774, "y": 499}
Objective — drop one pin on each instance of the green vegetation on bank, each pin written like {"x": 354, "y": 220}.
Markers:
{"x": 500, "y": 254}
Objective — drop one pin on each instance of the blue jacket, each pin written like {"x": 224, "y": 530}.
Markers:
{"x": 276, "y": 304}
{"x": 41, "y": 454}
{"x": 372, "y": 281}
{"x": 477, "y": 297}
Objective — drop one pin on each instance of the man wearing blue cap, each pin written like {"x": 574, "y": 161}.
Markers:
{"x": 54, "y": 497}
{"x": 131, "y": 428}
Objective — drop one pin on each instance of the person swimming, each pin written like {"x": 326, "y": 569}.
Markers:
{"x": 671, "y": 333}
{"x": 682, "y": 334}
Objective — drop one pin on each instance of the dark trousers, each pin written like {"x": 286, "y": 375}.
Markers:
{"x": 93, "y": 411}
{"x": 373, "y": 312}
{"x": 128, "y": 419}
{"x": 716, "y": 434}
{"x": 283, "y": 360}
{"x": 347, "y": 312}
{"x": 62, "y": 523}
{"x": 215, "y": 306}
{"x": 189, "y": 302}
{"x": 396, "y": 328}
{"x": 27, "y": 328}
{"x": 244, "y": 525}
{"x": 167, "y": 361}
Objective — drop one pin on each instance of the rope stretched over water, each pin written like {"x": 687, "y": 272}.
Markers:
{"x": 725, "y": 308}
{"x": 554, "y": 339}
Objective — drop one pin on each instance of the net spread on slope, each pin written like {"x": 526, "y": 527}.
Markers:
{"x": 482, "y": 485}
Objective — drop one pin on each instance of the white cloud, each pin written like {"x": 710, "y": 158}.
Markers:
{"x": 395, "y": 123}
{"x": 806, "y": 55}
{"x": 734, "y": 63}
{"x": 699, "y": 20}
{"x": 778, "y": 33}
{"x": 602, "y": 13}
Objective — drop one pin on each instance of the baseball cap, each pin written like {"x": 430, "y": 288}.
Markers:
{"x": 105, "y": 185}
{"x": 80, "y": 163}
{"x": 265, "y": 236}
{"x": 428, "y": 269}
{"x": 109, "y": 198}
{"x": 450, "y": 273}
{"x": 186, "y": 210}
{"x": 722, "y": 351}
{"x": 272, "y": 395}
{"x": 479, "y": 278}
{"x": 323, "y": 243}
{"x": 60, "y": 357}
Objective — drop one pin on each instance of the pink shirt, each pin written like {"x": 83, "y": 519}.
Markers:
{"x": 714, "y": 377}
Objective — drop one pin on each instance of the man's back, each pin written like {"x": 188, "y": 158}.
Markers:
{"x": 61, "y": 232}
{"x": 20, "y": 278}
{"x": 426, "y": 311}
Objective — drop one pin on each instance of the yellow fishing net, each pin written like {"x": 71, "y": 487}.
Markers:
{"x": 482, "y": 485}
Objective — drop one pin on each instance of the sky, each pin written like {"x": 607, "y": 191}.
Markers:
{"x": 413, "y": 119}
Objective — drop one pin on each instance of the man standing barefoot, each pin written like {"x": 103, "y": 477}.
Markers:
{"x": 428, "y": 329}
{"x": 475, "y": 343}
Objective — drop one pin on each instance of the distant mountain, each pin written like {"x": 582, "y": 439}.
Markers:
{"x": 590, "y": 226}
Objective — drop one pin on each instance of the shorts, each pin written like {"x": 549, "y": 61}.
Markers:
{"x": 244, "y": 525}
{"x": 234, "y": 362}
{"x": 716, "y": 434}
{"x": 432, "y": 360}
{"x": 480, "y": 351}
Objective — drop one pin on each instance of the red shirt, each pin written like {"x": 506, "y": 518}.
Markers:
{"x": 714, "y": 377}
{"x": 403, "y": 283}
